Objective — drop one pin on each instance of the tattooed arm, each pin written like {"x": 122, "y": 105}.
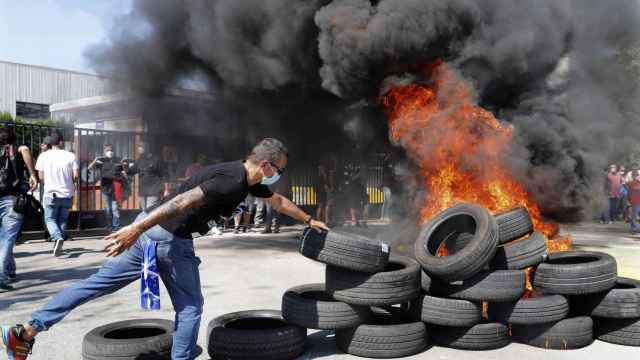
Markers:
{"x": 128, "y": 235}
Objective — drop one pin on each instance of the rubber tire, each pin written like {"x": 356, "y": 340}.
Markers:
{"x": 470, "y": 259}
{"x": 572, "y": 333}
{"x": 520, "y": 254}
{"x": 618, "y": 331}
{"x": 383, "y": 288}
{"x": 485, "y": 336}
{"x": 96, "y": 347}
{"x": 492, "y": 286}
{"x": 531, "y": 311}
{"x": 425, "y": 282}
{"x": 577, "y": 278}
{"x": 285, "y": 342}
{"x": 386, "y": 336}
{"x": 302, "y": 306}
{"x": 513, "y": 224}
{"x": 621, "y": 302}
{"x": 446, "y": 312}
{"x": 348, "y": 251}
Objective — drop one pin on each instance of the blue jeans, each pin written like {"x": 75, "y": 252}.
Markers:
{"x": 178, "y": 266}
{"x": 634, "y": 215}
{"x": 147, "y": 201}
{"x": 56, "y": 214}
{"x": 112, "y": 211}
{"x": 273, "y": 217}
{"x": 10, "y": 223}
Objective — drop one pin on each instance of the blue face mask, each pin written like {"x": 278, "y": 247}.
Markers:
{"x": 270, "y": 180}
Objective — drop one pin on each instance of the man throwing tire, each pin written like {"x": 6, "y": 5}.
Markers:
{"x": 213, "y": 191}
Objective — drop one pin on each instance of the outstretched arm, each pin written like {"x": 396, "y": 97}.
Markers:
{"x": 287, "y": 207}
{"x": 28, "y": 161}
{"x": 127, "y": 236}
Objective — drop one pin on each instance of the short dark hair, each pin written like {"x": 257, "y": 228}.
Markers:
{"x": 55, "y": 139}
{"x": 268, "y": 149}
{"x": 7, "y": 136}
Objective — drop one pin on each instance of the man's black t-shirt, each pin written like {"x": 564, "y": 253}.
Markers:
{"x": 224, "y": 186}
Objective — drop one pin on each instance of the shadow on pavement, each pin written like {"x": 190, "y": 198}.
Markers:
{"x": 35, "y": 285}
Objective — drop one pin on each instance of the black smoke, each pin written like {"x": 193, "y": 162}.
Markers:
{"x": 311, "y": 72}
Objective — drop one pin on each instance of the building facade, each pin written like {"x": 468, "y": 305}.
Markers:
{"x": 27, "y": 91}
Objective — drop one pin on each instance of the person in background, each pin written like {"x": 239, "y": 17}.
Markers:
{"x": 332, "y": 191}
{"x": 200, "y": 162}
{"x": 634, "y": 199}
{"x": 151, "y": 177}
{"x": 621, "y": 210}
{"x": 613, "y": 183}
{"x": 112, "y": 177}
{"x": 272, "y": 219}
{"x": 320, "y": 185}
{"x": 59, "y": 171}
{"x": 387, "y": 181}
{"x": 13, "y": 161}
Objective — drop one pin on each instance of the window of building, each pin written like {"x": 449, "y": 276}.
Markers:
{"x": 27, "y": 110}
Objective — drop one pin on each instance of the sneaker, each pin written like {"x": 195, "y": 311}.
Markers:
{"x": 244, "y": 229}
{"x": 57, "y": 248}
{"x": 12, "y": 279}
{"x": 236, "y": 230}
{"x": 4, "y": 287}
{"x": 214, "y": 231}
{"x": 276, "y": 229}
{"x": 15, "y": 347}
{"x": 267, "y": 230}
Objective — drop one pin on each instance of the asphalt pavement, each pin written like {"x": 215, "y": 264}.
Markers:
{"x": 245, "y": 272}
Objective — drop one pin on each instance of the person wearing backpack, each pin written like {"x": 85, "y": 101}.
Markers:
{"x": 13, "y": 182}
{"x": 59, "y": 170}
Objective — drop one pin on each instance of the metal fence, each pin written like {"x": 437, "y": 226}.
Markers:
{"x": 87, "y": 211}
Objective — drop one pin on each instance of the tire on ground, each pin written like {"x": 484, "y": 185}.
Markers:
{"x": 520, "y": 254}
{"x": 513, "y": 224}
{"x": 618, "y": 331}
{"x": 485, "y": 336}
{"x": 400, "y": 282}
{"x": 446, "y": 312}
{"x": 425, "y": 282}
{"x": 254, "y": 335}
{"x": 469, "y": 260}
{"x": 536, "y": 310}
{"x": 621, "y": 302}
{"x": 385, "y": 336}
{"x": 348, "y": 251}
{"x": 572, "y": 333}
{"x": 492, "y": 286}
{"x": 311, "y": 307}
{"x": 576, "y": 273}
{"x": 148, "y": 339}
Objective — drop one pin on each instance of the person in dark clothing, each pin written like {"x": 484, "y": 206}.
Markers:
{"x": 14, "y": 161}
{"x": 112, "y": 177}
{"x": 151, "y": 177}
{"x": 167, "y": 227}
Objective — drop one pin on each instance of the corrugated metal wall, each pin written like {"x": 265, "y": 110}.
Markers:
{"x": 43, "y": 85}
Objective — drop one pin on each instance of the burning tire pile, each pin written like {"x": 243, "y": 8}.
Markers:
{"x": 469, "y": 289}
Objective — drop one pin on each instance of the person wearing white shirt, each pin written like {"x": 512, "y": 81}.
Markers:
{"x": 58, "y": 169}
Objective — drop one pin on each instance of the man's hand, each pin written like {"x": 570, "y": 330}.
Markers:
{"x": 318, "y": 225}
{"x": 33, "y": 182}
{"x": 122, "y": 239}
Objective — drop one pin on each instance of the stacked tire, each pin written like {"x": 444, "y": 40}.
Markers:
{"x": 484, "y": 263}
{"x": 364, "y": 298}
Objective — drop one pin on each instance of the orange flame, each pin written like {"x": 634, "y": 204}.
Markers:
{"x": 459, "y": 147}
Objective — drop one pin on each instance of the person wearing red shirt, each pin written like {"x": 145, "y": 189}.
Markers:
{"x": 634, "y": 199}
{"x": 613, "y": 183}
